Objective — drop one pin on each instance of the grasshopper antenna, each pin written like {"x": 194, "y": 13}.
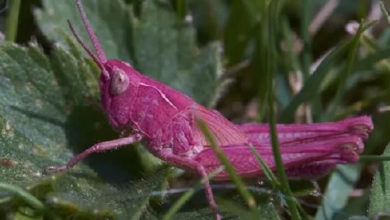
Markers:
{"x": 89, "y": 51}
{"x": 100, "y": 59}
{"x": 82, "y": 43}
{"x": 100, "y": 53}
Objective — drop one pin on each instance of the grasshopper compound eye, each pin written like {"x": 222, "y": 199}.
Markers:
{"x": 119, "y": 81}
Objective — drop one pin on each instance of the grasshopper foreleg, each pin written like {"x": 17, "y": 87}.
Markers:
{"x": 99, "y": 147}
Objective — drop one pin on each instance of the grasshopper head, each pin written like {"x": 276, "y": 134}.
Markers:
{"x": 117, "y": 90}
{"x": 115, "y": 76}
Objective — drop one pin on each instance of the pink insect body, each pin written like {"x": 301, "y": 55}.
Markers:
{"x": 308, "y": 150}
{"x": 165, "y": 119}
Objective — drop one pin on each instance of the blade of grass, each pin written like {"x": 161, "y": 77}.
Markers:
{"x": 373, "y": 158}
{"x": 181, "y": 8}
{"x": 271, "y": 62}
{"x": 273, "y": 179}
{"x": 341, "y": 88}
{"x": 24, "y": 195}
{"x": 12, "y": 21}
{"x": 306, "y": 58}
{"x": 291, "y": 55}
{"x": 323, "y": 15}
{"x": 285, "y": 187}
{"x": 305, "y": 23}
{"x": 372, "y": 46}
{"x": 366, "y": 64}
{"x": 267, "y": 171}
{"x": 186, "y": 196}
{"x": 312, "y": 85}
{"x": 379, "y": 55}
{"x": 260, "y": 62}
{"x": 232, "y": 207}
{"x": 384, "y": 12}
{"x": 250, "y": 201}
{"x": 253, "y": 7}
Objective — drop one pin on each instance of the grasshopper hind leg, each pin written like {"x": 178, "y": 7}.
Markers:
{"x": 187, "y": 163}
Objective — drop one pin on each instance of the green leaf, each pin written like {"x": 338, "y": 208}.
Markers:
{"x": 40, "y": 126}
{"x": 339, "y": 188}
{"x": 27, "y": 89}
{"x": 380, "y": 191}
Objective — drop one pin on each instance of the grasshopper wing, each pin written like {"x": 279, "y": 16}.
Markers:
{"x": 300, "y": 159}
{"x": 356, "y": 126}
{"x": 225, "y": 132}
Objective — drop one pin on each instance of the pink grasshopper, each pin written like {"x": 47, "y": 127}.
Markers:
{"x": 165, "y": 119}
